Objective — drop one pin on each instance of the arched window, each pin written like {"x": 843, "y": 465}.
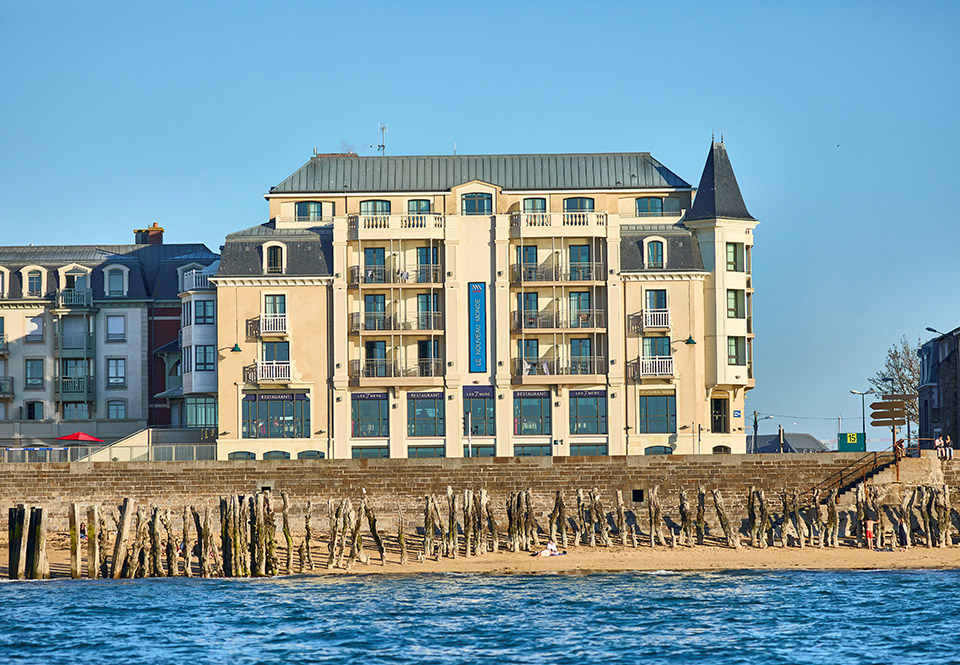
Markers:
{"x": 578, "y": 204}
{"x": 116, "y": 410}
{"x": 418, "y": 207}
{"x": 535, "y": 204}
{"x": 657, "y": 450}
{"x": 722, "y": 450}
{"x": 274, "y": 260}
{"x": 310, "y": 454}
{"x": 655, "y": 254}
{"x": 649, "y": 206}
{"x": 276, "y": 454}
{"x": 477, "y": 203}
{"x": 241, "y": 454}
{"x": 34, "y": 284}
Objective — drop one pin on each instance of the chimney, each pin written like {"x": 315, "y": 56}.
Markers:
{"x": 150, "y": 236}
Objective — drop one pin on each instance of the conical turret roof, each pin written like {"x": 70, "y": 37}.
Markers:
{"x": 718, "y": 194}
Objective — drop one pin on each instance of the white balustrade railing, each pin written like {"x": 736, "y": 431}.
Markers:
{"x": 391, "y": 222}
{"x": 656, "y": 318}
{"x": 656, "y": 366}
{"x": 195, "y": 280}
{"x": 273, "y": 323}
{"x": 542, "y": 219}
{"x": 273, "y": 370}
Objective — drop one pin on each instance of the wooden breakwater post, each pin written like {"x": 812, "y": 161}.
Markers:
{"x": 74, "y": 523}
{"x": 93, "y": 542}
{"x": 17, "y": 526}
{"x": 37, "y": 566}
{"x": 123, "y": 533}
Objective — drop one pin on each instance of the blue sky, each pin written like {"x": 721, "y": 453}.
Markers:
{"x": 840, "y": 120}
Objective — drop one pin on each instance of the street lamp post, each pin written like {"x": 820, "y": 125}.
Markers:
{"x": 755, "y": 425}
{"x": 863, "y": 410}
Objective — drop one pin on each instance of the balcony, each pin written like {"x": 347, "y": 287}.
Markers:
{"x": 75, "y": 298}
{"x": 379, "y": 275}
{"x": 576, "y": 369}
{"x": 655, "y": 319}
{"x": 395, "y": 372}
{"x": 547, "y": 224}
{"x": 6, "y": 387}
{"x": 273, "y": 324}
{"x": 273, "y": 371}
{"x": 429, "y": 225}
{"x": 194, "y": 280}
{"x": 562, "y": 272}
{"x": 380, "y": 322}
{"x": 551, "y": 320}
{"x": 74, "y": 388}
{"x": 74, "y": 345}
{"x": 652, "y": 367}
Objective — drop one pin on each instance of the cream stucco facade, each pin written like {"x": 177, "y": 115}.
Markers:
{"x": 559, "y": 319}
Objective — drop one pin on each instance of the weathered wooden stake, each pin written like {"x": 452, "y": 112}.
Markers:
{"x": 655, "y": 511}
{"x": 752, "y": 522}
{"x": 354, "y": 522}
{"x": 18, "y": 527}
{"x": 73, "y": 514}
{"x": 37, "y": 566}
{"x": 494, "y": 530}
{"x": 372, "y": 523}
{"x": 308, "y": 534}
{"x": 123, "y": 534}
{"x": 156, "y": 547}
{"x": 171, "y": 545}
{"x": 861, "y": 514}
{"x": 483, "y": 503}
{"x": 833, "y": 520}
{"x": 302, "y": 552}
{"x": 187, "y": 543}
{"x": 701, "y": 513}
{"x": 334, "y": 517}
{"x": 686, "y": 520}
{"x": 467, "y": 507}
{"x": 103, "y": 546}
{"x": 621, "y": 519}
{"x": 733, "y": 538}
{"x": 287, "y": 536}
{"x": 401, "y": 538}
{"x": 93, "y": 544}
{"x": 428, "y": 527}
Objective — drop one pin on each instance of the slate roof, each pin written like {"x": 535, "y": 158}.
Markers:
{"x": 151, "y": 266}
{"x": 351, "y": 173}
{"x": 793, "y": 442}
{"x": 682, "y": 250}
{"x": 718, "y": 194}
{"x": 309, "y": 251}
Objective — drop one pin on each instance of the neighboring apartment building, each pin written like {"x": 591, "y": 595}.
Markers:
{"x": 79, "y": 325}
{"x": 488, "y": 305}
{"x": 937, "y": 394}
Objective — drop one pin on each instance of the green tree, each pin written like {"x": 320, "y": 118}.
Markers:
{"x": 902, "y": 364}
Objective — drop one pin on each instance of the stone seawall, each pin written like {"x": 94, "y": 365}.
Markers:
{"x": 401, "y": 482}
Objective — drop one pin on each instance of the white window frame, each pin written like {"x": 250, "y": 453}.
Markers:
{"x": 106, "y": 279}
{"x": 4, "y": 282}
{"x": 283, "y": 257}
{"x": 646, "y": 252}
{"x": 107, "y": 376}
{"x": 25, "y": 280}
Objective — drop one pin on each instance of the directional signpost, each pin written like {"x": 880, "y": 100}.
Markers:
{"x": 891, "y": 412}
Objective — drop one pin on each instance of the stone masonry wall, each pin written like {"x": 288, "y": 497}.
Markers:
{"x": 400, "y": 482}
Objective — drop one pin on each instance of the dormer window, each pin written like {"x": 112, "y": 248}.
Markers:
{"x": 115, "y": 283}
{"x": 477, "y": 203}
{"x": 274, "y": 258}
{"x": 34, "y": 284}
{"x": 655, "y": 254}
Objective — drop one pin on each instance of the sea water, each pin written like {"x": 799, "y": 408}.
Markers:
{"x": 730, "y": 617}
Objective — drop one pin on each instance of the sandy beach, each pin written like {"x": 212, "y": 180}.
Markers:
{"x": 714, "y": 557}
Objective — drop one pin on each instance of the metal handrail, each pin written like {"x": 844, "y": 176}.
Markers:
{"x": 858, "y": 469}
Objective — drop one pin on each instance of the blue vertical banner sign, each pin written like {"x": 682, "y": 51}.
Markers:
{"x": 477, "y": 315}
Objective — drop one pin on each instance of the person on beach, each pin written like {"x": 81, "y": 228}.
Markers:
{"x": 869, "y": 524}
{"x": 947, "y": 448}
{"x": 83, "y": 530}
{"x": 938, "y": 446}
{"x": 551, "y": 550}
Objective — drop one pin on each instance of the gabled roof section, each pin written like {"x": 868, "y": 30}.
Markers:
{"x": 350, "y": 173}
{"x": 310, "y": 251}
{"x": 718, "y": 194}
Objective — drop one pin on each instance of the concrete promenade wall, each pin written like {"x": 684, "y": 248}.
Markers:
{"x": 403, "y": 482}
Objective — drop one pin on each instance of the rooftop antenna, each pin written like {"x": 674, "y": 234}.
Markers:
{"x": 721, "y": 136}
{"x": 454, "y": 147}
{"x": 316, "y": 152}
{"x": 382, "y": 147}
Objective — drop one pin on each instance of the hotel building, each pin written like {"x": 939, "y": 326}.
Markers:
{"x": 446, "y": 306}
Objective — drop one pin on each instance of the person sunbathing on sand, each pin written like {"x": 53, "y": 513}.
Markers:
{"x": 550, "y": 551}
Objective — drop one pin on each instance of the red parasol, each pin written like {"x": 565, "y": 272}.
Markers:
{"x": 79, "y": 436}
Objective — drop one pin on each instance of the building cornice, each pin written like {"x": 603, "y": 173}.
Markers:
{"x": 696, "y": 276}
{"x": 270, "y": 280}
